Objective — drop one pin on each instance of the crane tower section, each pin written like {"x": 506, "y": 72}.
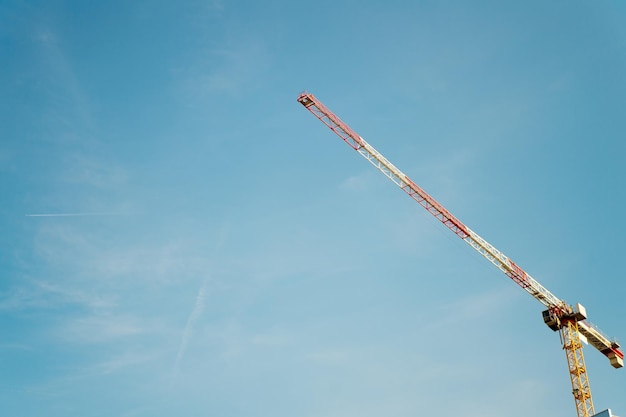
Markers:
{"x": 558, "y": 312}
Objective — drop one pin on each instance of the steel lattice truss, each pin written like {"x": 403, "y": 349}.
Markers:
{"x": 557, "y": 307}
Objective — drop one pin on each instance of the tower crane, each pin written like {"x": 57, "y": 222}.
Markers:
{"x": 569, "y": 320}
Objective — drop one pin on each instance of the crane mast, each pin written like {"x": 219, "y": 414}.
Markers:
{"x": 569, "y": 320}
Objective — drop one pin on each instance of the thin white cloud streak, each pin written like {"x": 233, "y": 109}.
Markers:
{"x": 198, "y": 307}
{"x": 71, "y": 214}
{"x": 123, "y": 361}
{"x": 63, "y": 84}
{"x": 196, "y": 313}
{"x": 46, "y": 295}
{"x": 66, "y": 294}
{"x": 101, "y": 328}
{"x": 83, "y": 169}
{"x": 357, "y": 182}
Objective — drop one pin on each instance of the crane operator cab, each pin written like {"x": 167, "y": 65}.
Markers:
{"x": 551, "y": 319}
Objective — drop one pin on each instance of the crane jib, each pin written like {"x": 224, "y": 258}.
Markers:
{"x": 444, "y": 216}
{"x": 497, "y": 258}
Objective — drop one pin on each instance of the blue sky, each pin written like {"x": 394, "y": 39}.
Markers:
{"x": 181, "y": 237}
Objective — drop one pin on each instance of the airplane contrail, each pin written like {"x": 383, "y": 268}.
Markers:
{"x": 198, "y": 308}
{"x": 71, "y": 214}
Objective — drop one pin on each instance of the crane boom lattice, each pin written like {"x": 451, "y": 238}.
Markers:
{"x": 570, "y": 321}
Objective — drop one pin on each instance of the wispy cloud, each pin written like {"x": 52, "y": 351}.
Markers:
{"x": 101, "y": 328}
{"x": 15, "y": 346}
{"x": 92, "y": 171}
{"x": 68, "y": 104}
{"x": 330, "y": 356}
{"x": 122, "y": 361}
{"x": 225, "y": 68}
{"x": 274, "y": 338}
{"x": 471, "y": 307}
{"x": 43, "y": 294}
{"x": 356, "y": 182}
{"x": 216, "y": 5}
{"x": 197, "y": 311}
{"x": 198, "y": 307}
{"x": 235, "y": 71}
{"x": 68, "y": 294}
